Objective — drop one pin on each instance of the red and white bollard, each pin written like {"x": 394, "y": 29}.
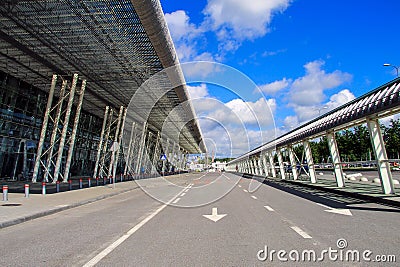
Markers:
{"x": 89, "y": 182}
{"x": 58, "y": 186}
{"x": 43, "y": 188}
{"x": 26, "y": 190}
{"x": 5, "y": 192}
{"x": 80, "y": 183}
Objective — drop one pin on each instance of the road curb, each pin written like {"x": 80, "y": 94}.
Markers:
{"x": 330, "y": 190}
{"x": 59, "y": 209}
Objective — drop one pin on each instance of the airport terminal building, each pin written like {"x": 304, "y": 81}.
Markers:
{"x": 68, "y": 72}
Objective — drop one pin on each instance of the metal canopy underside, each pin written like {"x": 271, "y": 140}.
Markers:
{"x": 115, "y": 45}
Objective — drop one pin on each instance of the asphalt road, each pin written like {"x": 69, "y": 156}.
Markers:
{"x": 163, "y": 224}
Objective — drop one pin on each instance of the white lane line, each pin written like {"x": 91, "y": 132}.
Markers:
{"x": 254, "y": 197}
{"x": 300, "y": 232}
{"x": 239, "y": 185}
{"x": 183, "y": 194}
{"x": 186, "y": 190}
{"x": 176, "y": 200}
{"x": 245, "y": 190}
{"x": 120, "y": 240}
{"x": 269, "y": 208}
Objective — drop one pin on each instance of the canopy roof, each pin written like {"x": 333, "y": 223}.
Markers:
{"x": 115, "y": 45}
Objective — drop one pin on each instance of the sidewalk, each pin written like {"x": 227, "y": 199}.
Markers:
{"x": 361, "y": 190}
{"x": 19, "y": 209}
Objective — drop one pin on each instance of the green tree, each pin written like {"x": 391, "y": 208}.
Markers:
{"x": 392, "y": 138}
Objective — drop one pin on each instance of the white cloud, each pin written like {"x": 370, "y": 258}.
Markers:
{"x": 180, "y": 26}
{"x": 200, "y": 91}
{"x": 235, "y": 126}
{"x": 339, "y": 99}
{"x": 274, "y": 87}
{"x": 309, "y": 89}
{"x": 186, "y": 36}
{"x": 241, "y": 19}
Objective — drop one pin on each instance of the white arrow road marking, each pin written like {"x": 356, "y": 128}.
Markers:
{"x": 300, "y": 232}
{"x": 269, "y": 208}
{"x": 346, "y": 212}
{"x": 214, "y": 215}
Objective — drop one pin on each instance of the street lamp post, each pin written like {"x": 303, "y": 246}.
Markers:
{"x": 390, "y": 65}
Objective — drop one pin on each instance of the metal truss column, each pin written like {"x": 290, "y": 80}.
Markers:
{"x": 115, "y": 144}
{"x": 128, "y": 155}
{"x": 156, "y": 154}
{"x": 166, "y": 151}
{"x": 118, "y": 149}
{"x": 65, "y": 127}
{"x": 378, "y": 145}
{"x": 272, "y": 164}
{"x": 106, "y": 143}
{"x": 172, "y": 156}
{"x": 44, "y": 128}
{"x": 100, "y": 147}
{"x": 333, "y": 148}
{"x": 55, "y": 130}
{"x": 73, "y": 134}
{"x": 281, "y": 165}
{"x": 141, "y": 148}
{"x": 310, "y": 161}
{"x": 293, "y": 162}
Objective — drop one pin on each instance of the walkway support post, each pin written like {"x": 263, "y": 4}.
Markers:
{"x": 310, "y": 161}
{"x": 333, "y": 148}
{"x": 272, "y": 164}
{"x": 378, "y": 145}
{"x": 265, "y": 163}
{"x": 281, "y": 165}
{"x": 293, "y": 162}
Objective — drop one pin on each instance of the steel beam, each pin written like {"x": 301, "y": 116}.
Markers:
{"x": 281, "y": 165}
{"x": 293, "y": 162}
{"x": 378, "y": 145}
{"x": 44, "y": 128}
{"x": 65, "y": 127}
{"x": 333, "y": 148}
{"x": 310, "y": 161}
{"x": 100, "y": 147}
{"x": 73, "y": 134}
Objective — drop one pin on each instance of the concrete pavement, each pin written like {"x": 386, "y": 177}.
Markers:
{"x": 19, "y": 209}
{"x": 135, "y": 229}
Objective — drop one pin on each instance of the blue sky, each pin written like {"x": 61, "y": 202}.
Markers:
{"x": 306, "y": 56}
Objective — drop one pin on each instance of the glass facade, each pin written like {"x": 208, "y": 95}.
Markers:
{"x": 22, "y": 109}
